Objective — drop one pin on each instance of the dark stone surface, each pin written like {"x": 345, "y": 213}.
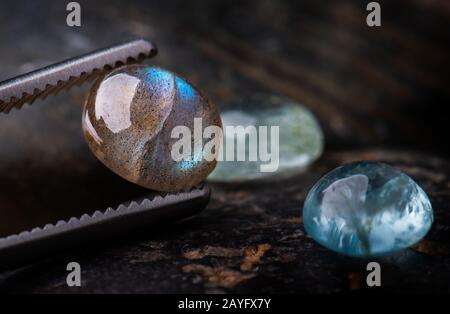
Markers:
{"x": 380, "y": 94}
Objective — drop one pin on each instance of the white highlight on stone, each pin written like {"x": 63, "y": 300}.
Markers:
{"x": 114, "y": 102}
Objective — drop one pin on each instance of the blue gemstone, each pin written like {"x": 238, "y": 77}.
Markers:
{"x": 367, "y": 209}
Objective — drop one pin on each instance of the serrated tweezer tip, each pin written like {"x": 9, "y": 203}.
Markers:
{"x": 28, "y": 246}
{"x": 26, "y": 88}
{"x": 20, "y": 249}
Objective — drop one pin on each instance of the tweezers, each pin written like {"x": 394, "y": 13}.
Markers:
{"x": 153, "y": 209}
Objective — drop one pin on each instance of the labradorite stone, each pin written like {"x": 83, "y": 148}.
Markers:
{"x": 300, "y": 137}
{"x": 128, "y": 118}
{"x": 367, "y": 209}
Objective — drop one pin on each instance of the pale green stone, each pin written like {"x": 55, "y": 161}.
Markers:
{"x": 300, "y": 137}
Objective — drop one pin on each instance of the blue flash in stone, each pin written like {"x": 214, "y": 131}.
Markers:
{"x": 128, "y": 120}
{"x": 367, "y": 209}
{"x": 186, "y": 91}
{"x": 187, "y": 164}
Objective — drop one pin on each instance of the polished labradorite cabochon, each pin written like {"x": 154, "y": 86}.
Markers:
{"x": 128, "y": 119}
{"x": 367, "y": 209}
{"x": 300, "y": 140}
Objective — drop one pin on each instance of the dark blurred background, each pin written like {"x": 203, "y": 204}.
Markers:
{"x": 380, "y": 89}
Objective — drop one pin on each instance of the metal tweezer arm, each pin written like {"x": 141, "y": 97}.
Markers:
{"x": 51, "y": 79}
{"x": 28, "y": 246}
